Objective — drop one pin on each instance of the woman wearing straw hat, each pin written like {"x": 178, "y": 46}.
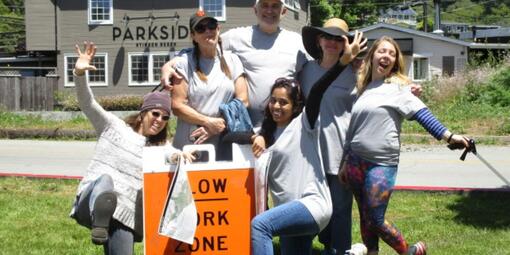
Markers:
{"x": 211, "y": 77}
{"x": 325, "y": 45}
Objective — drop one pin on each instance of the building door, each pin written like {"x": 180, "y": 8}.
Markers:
{"x": 448, "y": 65}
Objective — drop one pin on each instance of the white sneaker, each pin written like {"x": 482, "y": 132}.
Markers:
{"x": 357, "y": 249}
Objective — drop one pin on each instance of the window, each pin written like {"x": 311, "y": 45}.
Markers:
{"x": 94, "y": 78}
{"x": 69, "y": 62}
{"x": 215, "y": 8}
{"x": 145, "y": 68}
{"x": 293, "y": 4}
{"x": 420, "y": 69}
{"x": 100, "y": 12}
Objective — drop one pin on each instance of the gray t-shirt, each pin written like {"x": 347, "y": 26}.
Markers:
{"x": 335, "y": 111}
{"x": 206, "y": 97}
{"x": 265, "y": 58}
{"x": 377, "y": 115}
{"x": 295, "y": 171}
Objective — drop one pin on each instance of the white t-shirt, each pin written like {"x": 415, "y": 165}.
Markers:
{"x": 377, "y": 115}
{"x": 206, "y": 97}
{"x": 265, "y": 58}
{"x": 295, "y": 170}
{"x": 335, "y": 111}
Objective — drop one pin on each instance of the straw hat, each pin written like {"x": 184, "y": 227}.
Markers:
{"x": 333, "y": 26}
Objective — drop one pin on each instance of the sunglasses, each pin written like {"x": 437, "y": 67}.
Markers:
{"x": 157, "y": 114}
{"x": 201, "y": 27}
{"x": 331, "y": 37}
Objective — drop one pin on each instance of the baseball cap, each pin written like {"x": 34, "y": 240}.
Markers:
{"x": 197, "y": 17}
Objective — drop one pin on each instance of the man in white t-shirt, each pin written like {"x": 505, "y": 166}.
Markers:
{"x": 266, "y": 50}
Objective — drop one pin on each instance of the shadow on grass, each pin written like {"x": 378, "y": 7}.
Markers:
{"x": 483, "y": 209}
{"x": 276, "y": 249}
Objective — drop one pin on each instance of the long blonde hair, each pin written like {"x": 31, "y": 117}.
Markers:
{"x": 397, "y": 73}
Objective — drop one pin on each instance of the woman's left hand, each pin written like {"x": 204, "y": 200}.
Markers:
{"x": 351, "y": 50}
{"x": 200, "y": 135}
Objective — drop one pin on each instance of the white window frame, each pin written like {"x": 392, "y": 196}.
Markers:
{"x": 151, "y": 81}
{"x": 427, "y": 75}
{"x": 292, "y": 5}
{"x": 99, "y": 22}
{"x": 223, "y": 17}
{"x": 92, "y": 84}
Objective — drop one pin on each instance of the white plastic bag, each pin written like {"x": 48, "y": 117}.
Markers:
{"x": 179, "y": 219}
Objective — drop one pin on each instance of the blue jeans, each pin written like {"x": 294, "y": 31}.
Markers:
{"x": 120, "y": 238}
{"x": 336, "y": 237}
{"x": 292, "y": 222}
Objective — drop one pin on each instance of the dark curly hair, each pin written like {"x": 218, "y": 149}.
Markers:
{"x": 293, "y": 89}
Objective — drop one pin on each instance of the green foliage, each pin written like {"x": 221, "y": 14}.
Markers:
{"x": 68, "y": 102}
{"x": 320, "y": 10}
{"x": 477, "y": 12}
{"x": 498, "y": 91}
{"x": 12, "y": 27}
{"x": 365, "y": 12}
{"x": 474, "y": 102}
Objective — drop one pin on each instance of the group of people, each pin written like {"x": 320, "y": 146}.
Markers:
{"x": 329, "y": 119}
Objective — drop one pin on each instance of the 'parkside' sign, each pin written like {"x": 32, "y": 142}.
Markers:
{"x": 154, "y": 35}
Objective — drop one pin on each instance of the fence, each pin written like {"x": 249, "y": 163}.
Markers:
{"x": 28, "y": 93}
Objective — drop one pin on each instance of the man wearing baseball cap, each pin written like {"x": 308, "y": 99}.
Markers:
{"x": 266, "y": 51}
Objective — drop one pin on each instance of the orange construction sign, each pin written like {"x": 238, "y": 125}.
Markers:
{"x": 224, "y": 198}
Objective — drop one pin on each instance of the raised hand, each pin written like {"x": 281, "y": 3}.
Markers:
{"x": 85, "y": 58}
{"x": 351, "y": 50}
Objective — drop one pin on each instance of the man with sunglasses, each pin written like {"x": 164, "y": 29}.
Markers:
{"x": 266, "y": 51}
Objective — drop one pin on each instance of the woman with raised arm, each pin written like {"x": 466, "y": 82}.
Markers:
{"x": 295, "y": 173}
{"x": 108, "y": 199}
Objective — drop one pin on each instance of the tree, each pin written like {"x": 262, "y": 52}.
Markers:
{"x": 12, "y": 27}
{"x": 320, "y": 10}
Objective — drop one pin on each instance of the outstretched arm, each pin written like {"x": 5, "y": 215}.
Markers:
{"x": 94, "y": 112}
{"x": 428, "y": 121}
{"x": 316, "y": 93}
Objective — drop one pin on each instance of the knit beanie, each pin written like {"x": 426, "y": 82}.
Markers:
{"x": 157, "y": 99}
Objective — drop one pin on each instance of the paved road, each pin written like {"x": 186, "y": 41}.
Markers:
{"x": 421, "y": 165}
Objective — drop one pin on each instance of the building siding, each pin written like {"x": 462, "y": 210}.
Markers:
{"x": 119, "y": 39}
{"x": 40, "y": 25}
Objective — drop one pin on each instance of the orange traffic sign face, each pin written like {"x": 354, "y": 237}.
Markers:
{"x": 225, "y": 207}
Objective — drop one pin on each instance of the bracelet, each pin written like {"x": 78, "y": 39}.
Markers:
{"x": 449, "y": 138}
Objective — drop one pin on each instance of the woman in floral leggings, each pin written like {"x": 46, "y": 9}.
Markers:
{"x": 373, "y": 142}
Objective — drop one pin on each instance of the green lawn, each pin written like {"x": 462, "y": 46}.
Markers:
{"x": 34, "y": 220}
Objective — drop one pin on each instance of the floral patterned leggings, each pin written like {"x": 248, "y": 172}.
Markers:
{"x": 372, "y": 186}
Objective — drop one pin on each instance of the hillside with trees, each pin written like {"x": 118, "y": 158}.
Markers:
{"x": 365, "y": 12}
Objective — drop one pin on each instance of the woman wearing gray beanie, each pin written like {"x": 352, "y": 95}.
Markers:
{"x": 108, "y": 200}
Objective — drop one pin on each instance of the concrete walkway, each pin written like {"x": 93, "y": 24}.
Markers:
{"x": 421, "y": 167}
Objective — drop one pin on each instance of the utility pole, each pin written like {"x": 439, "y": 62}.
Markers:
{"x": 437, "y": 20}
{"x": 425, "y": 12}
{"x": 425, "y": 16}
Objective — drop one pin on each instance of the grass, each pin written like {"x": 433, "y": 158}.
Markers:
{"x": 10, "y": 120}
{"x": 34, "y": 220}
